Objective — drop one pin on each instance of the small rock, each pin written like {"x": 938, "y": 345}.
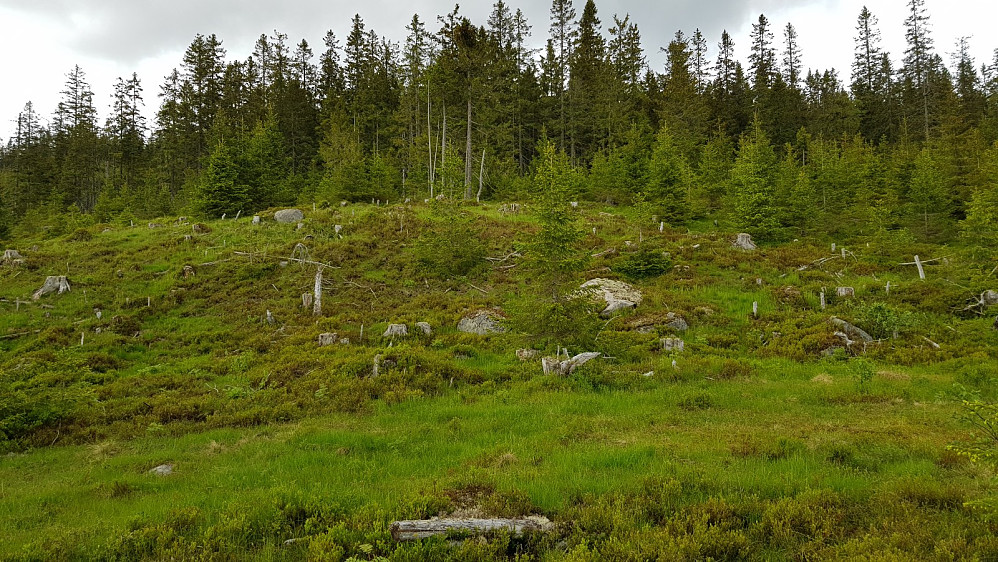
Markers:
{"x": 673, "y": 344}
{"x": 989, "y": 298}
{"x": 482, "y": 323}
{"x": 526, "y": 354}
{"x": 425, "y": 328}
{"x": 744, "y": 241}
{"x": 574, "y": 204}
{"x": 162, "y": 470}
{"x": 649, "y": 374}
{"x": 396, "y": 330}
{"x": 201, "y": 228}
{"x": 343, "y": 203}
{"x": 155, "y": 225}
{"x": 338, "y": 228}
{"x": 288, "y": 216}
{"x": 845, "y": 292}
{"x": 327, "y": 339}
{"x": 256, "y": 219}
{"x": 677, "y": 323}
{"x": 617, "y": 306}
{"x": 345, "y": 341}
{"x": 646, "y": 330}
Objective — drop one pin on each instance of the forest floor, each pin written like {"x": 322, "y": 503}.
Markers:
{"x": 762, "y": 439}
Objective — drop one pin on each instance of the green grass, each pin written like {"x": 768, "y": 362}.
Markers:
{"x": 752, "y": 445}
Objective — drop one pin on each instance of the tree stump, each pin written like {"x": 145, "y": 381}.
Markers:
{"x": 53, "y": 284}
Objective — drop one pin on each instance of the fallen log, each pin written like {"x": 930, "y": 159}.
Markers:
{"x": 421, "y": 529}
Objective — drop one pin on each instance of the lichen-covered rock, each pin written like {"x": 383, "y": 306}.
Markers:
{"x": 288, "y": 216}
{"x": 326, "y": 340}
{"x": 676, "y": 322}
{"x": 618, "y": 295}
{"x": 845, "y": 292}
{"x": 744, "y": 241}
{"x": 481, "y": 323}
{"x": 425, "y": 328}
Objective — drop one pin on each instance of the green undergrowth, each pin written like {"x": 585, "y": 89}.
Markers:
{"x": 764, "y": 439}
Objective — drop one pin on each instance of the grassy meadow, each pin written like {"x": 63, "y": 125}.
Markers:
{"x": 763, "y": 439}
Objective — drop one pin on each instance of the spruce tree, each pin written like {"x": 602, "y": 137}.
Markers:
{"x": 754, "y": 184}
{"x": 220, "y": 189}
{"x": 668, "y": 180}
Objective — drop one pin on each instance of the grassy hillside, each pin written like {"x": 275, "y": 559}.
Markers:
{"x": 764, "y": 438}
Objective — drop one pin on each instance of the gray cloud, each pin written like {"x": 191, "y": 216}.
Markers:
{"x": 128, "y": 31}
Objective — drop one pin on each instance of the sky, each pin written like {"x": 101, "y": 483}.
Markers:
{"x": 41, "y": 40}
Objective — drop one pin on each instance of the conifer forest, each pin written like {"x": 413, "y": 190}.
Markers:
{"x": 505, "y": 290}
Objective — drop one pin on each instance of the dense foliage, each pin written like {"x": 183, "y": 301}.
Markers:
{"x": 461, "y": 110}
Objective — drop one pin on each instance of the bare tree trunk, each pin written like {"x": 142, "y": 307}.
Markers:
{"x": 317, "y": 297}
{"x": 481, "y": 181}
{"x": 467, "y": 155}
{"x": 429, "y": 139}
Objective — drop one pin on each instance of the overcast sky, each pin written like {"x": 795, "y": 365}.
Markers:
{"x": 41, "y": 40}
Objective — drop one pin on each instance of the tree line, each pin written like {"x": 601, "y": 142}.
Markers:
{"x": 463, "y": 110}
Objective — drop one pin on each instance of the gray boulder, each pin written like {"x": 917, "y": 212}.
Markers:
{"x": 989, "y": 298}
{"x": 425, "y": 328}
{"x": 288, "y": 216}
{"x": 327, "y": 339}
{"x": 845, "y": 292}
{"x": 481, "y": 323}
{"x": 676, "y": 322}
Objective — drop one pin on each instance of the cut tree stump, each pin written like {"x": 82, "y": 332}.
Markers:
{"x": 416, "y": 530}
{"x": 53, "y": 284}
{"x": 552, "y": 365}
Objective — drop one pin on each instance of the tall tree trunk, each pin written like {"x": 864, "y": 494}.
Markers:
{"x": 467, "y": 155}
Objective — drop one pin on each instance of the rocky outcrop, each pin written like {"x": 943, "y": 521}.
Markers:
{"x": 676, "y": 322}
{"x": 618, "y": 295}
{"x": 482, "y": 323}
